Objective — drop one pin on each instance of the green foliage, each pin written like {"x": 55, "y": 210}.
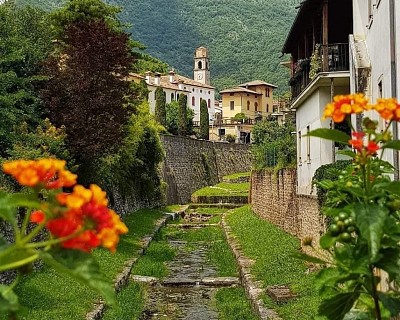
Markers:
{"x": 204, "y": 120}
{"x": 25, "y": 41}
{"x": 231, "y": 138}
{"x": 274, "y": 145}
{"x": 239, "y": 116}
{"x": 362, "y": 240}
{"x": 182, "y": 115}
{"x": 172, "y": 110}
{"x": 160, "y": 112}
{"x": 232, "y": 304}
{"x": 315, "y": 62}
{"x": 328, "y": 172}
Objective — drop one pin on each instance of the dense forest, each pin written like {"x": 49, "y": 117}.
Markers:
{"x": 244, "y": 37}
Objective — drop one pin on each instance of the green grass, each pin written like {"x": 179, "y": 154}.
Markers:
{"x": 48, "y": 295}
{"x": 219, "y": 254}
{"x": 271, "y": 248}
{"x": 232, "y": 304}
{"x": 224, "y": 189}
{"x": 152, "y": 264}
{"x": 237, "y": 175}
{"x": 131, "y": 302}
{"x": 172, "y": 208}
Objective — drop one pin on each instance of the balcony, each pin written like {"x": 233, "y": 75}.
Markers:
{"x": 327, "y": 58}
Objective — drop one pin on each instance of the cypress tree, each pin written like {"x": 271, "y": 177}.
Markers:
{"x": 160, "y": 112}
{"x": 182, "y": 117}
{"x": 204, "y": 121}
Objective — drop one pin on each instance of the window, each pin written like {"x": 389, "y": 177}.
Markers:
{"x": 299, "y": 146}
{"x": 201, "y": 91}
{"x": 267, "y": 107}
{"x": 308, "y": 145}
{"x": 231, "y": 94}
{"x": 199, "y": 65}
{"x": 177, "y": 96}
{"x": 172, "y": 96}
{"x": 193, "y": 89}
{"x": 248, "y": 105}
{"x": 200, "y": 101}
{"x": 380, "y": 89}
{"x": 267, "y": 92}
{"x": 232, "y": 105}
{"x": 255, "y": 106}
{"x": 193, "y": 101}
{"x": 209, "y": 103}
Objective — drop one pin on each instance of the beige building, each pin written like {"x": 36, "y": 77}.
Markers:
{"x": 254, "y": 99}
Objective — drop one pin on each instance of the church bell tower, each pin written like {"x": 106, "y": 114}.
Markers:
{"x": 201, "y": 71}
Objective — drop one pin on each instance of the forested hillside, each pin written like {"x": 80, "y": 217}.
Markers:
{"x": 244, "y": 37}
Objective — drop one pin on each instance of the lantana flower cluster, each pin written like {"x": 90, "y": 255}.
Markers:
{"x": 81, "y": 219}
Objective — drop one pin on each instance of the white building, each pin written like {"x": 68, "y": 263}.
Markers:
{"x": 196, "y": 90}
{"x": 321, "y": 30}
{"x": 375, "y": 54}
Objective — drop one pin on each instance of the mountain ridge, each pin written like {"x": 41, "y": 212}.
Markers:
{"x": 244, "y": 37}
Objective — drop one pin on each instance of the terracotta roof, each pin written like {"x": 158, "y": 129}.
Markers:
{"x": 257, "y": 83}
{"x": 133, "y": 75}
{"x": 188, "y": 81}
{"x": 239, "y": 89}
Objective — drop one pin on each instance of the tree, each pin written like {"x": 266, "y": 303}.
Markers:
{"x": 172, "y": 118}
{"x": 204, "y": 120}
{"x": 25, "y": 41}
{"x": 160, "y": 113}
{"x": 182, "y": 118}
{"x": 87, "y": 88}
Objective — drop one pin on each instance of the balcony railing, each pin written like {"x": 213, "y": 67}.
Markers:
{"x": 329, "y": 58}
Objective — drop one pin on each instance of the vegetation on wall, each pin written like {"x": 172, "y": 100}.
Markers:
{"x": 274, "y": 145}
{"x": 182, "y": 116}
{"x": 243, "y": 37}
{"x": 172, "y": 118}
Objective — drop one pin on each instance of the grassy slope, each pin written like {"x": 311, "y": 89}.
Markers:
{"x": 47, "y": 295}
{"x": 271, "y": 248}
{"x": 244, "y": 36}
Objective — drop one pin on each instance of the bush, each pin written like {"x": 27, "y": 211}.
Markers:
{"x": 230, "y": 138}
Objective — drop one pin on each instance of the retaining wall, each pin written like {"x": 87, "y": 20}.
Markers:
{"x": 273, "y": 196}
{"x": 192, "y": 164}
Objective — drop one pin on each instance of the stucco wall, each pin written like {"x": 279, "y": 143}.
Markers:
{"x": 273, "y": 197}
{"x": 193, "y": 164}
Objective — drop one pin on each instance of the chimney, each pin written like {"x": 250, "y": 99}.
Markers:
{"x": 171, "y": 76}
{"x": 180, "y": 84}
{"x": 148, "y": 77}
{"x": 157, "y": 78}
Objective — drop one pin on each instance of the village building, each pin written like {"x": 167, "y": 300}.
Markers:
{"x": 174, "y": 85}
{"x": 319, "y": 48}
{"x": 375, "y": 59}
{"x": 242, "y": 106}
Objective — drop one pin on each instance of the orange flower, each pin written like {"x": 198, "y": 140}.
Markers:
{"x": 50, "y": 173}
{"x": 37, "y": 216}
{"x": 372, "y": 147}
{"x": 344, "y": 105}
{"x": 88, "y": 217}
{"x": 388, "y": 109}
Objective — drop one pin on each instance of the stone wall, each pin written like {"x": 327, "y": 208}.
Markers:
{"x": 192, "y": 164}
{"x": 273, "y": 196}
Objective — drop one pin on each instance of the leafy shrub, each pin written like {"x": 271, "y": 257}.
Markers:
{"x": 230, "y": 138}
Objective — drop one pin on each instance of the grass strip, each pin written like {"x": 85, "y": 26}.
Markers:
{"x": 271, "y": 248}
{"x": 224, "y": 189}
{"x": 232, "y": 304}
{"x": 237, "y": 175}
{"x": 219, "y": 253}
{"x": 48, "y": 295}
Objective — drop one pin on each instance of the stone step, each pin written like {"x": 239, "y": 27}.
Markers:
{"x": 207, "y": 281}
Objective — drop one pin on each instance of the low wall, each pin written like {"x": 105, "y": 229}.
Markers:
{"x": 273, "y": 196}
{"x": 192, "y": 164}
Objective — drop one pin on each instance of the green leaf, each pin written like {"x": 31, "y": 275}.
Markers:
{"x": 8, "y": 299}
{"x": 338, "y": 306}
{"x": 390, "y": 302}
{"x": 306, "y": 257}
{"x": 17, "y": 258}
{"x": 370, "y": 220}
{"x": 82, "y": 267}
{"x": 393, "y": 187}
{"x": 395, "y": 144}
{"x": 8, "y": 214}
{"x": 330, "y": 134}
{"x": 327, "y": 241}
{"x": 348, "y": 153}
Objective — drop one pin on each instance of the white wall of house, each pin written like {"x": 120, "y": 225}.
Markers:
{"x": 372, "y": 24}
{"x": 313, "y": 152}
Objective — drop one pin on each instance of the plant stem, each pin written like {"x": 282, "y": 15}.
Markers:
{"x": 375, "y": 295}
